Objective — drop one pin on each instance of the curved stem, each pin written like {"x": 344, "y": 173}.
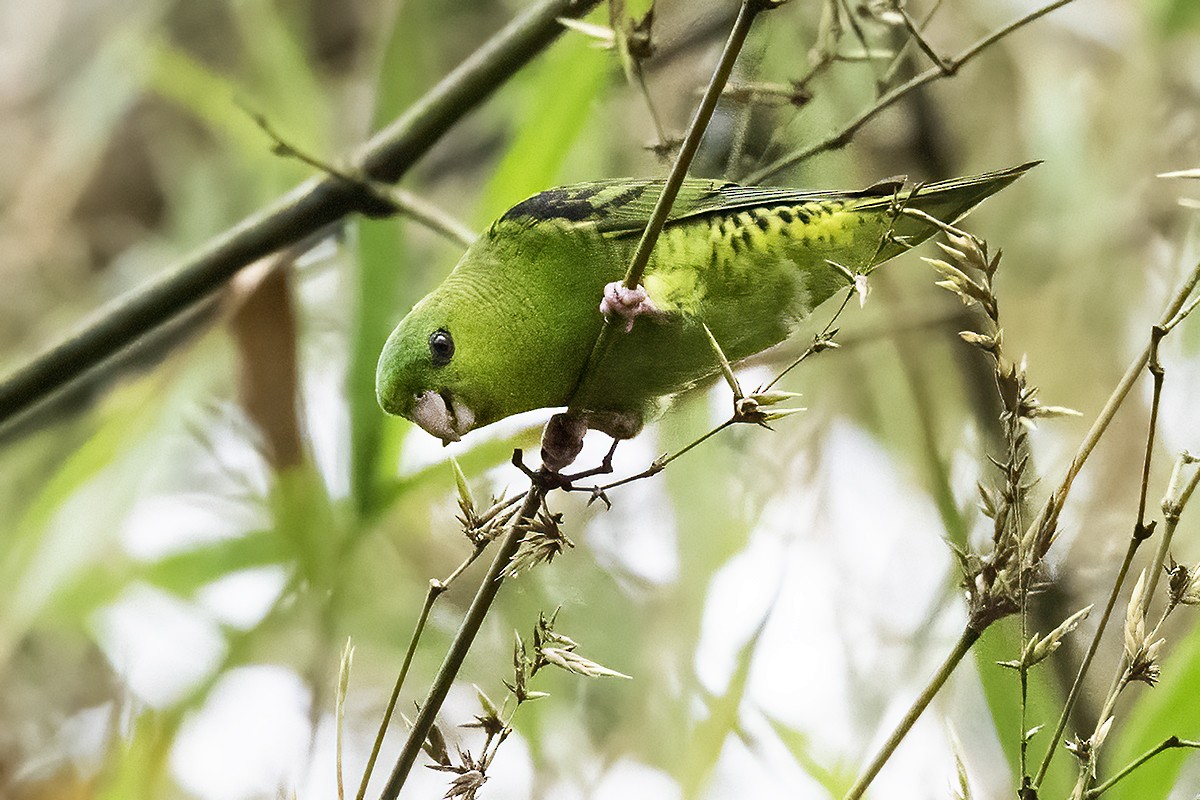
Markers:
{"x": 1167, "y": 744}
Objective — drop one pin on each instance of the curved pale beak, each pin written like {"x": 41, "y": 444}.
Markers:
{"x": 443, "y": 415}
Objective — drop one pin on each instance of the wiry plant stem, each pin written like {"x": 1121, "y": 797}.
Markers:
{"x": 463, "y": 640}
{"x": 1141, "y": 531}
{"x": 1085, "y": 665}
{"x": 945, "y": 68}
{"x": 399, "y": 201}
{"x": 691, "y": 142}
{"x": 683, "y": 161}
{"x": 961, "y": 648}
{"x": 1169, "y": 743}
{"x": 435, "y": 589}
{"x": 1172, "y": 509}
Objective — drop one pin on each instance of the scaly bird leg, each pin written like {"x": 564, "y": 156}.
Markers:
{"x": 627, "y": 304}
{"x": 562, "y": 440}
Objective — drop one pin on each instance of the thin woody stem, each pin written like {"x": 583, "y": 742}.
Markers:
{"x": 691, "y": 142}
{"x": 1049, "y": 513}
{"x": 461, "y": 644}
{"x": 947, "y": 68}
{"x": 683, "y": 160}
{"x": 1173, "y": 508}
{"x": 1167, "y": 744}
{"x": 391, "y": 199}
{"x": 659, "y": 466}
{"x": 436, "y": 589}
{"x": 822, "y": 341}
{"x": 899, "y": 59}
{"x": 1085, "y": 665}
{"x": 961, "y": 648}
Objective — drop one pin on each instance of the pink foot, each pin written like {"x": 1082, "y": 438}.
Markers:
{"x": 626, "y": 304}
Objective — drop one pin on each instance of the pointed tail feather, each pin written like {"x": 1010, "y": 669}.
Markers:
{"x": 947, "y": 201}
{"x": 950, "y": 200}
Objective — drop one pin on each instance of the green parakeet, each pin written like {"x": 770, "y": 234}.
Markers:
{"x": 512, "y": 327}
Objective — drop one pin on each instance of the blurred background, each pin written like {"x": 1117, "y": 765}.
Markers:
{"x": 189, "y": 537}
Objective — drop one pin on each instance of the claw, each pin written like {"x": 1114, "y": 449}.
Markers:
{"x": 626, "y": 304}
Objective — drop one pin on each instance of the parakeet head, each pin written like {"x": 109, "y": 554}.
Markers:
{"x": 424, "y": 371}
{"x": 493, "y": 340}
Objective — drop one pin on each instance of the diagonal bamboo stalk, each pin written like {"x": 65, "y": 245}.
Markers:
{"x": 299, "y": 214}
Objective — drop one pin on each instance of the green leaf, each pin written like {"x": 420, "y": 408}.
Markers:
{"x": 561, "y": 89}
{"x": 708, "y": 737}
{"x": 835, "y": 780}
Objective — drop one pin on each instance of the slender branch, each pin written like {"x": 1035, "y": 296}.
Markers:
{"x": 961, "y": 648}
{"x": 1172, "y": 509}
{"x": 915, "y": 35}
{"x": 1044, "y": 523}
{"x": 437, "y": 219}
{"x": 308, "y": 208}
{"x": 435, "y": 590}
{"x": 389, "y": 199}
{"x": 1049, "y": 512}
{"x": 1167, "y": 744}
{"x": 1141, "y": 532}
{"x": 683, "y": 160}
{"x": 658, "y": 466}
{"x": 463, "y": 640}
{"x": 898, "y": 61}
{"x": 1154, "y": 365}
{"x": 821, "y": 342}
{"x": 947, "y": 68}
{"x": 691, "y": 142}
{"x": 1085, "y": 665}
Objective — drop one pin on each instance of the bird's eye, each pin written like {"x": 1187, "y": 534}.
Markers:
{"x": 441, "y": 347}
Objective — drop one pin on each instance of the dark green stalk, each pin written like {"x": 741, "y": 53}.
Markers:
{"x": 687, "y": 151}
{"x": 463, "y": 640}
{"x": 305, "y": 210}
{"x": 691, "y": 143}
{"x": 961, "y": 648}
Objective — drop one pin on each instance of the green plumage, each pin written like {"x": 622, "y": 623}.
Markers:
{"x": 522, "y": 307}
